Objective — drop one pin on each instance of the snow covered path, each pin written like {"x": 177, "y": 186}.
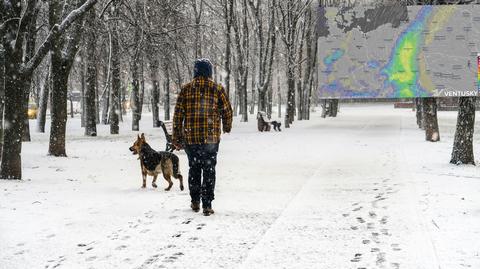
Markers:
{"x": 359, "y": 191}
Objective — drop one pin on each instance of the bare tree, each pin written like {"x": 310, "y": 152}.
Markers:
{"x": 30, "y": 41}
{"x": 197, "y": 6}
{"x": 43, "y": 104}
{"x": 241, "y": 29}
{"x": 91, "y": 76}
{"x": 17, "y": 72}
{"x": 463, "y": 145}
{"x": 115, "y": 92}
{"x": 155, "y": 92}
{"x": 62, "y": 58}
{"x": 266, "y": 46}
{"x": 291, "y": 12}
{"x": 166, "y": 86}
{"x": 432, "y": 132}
{"x": 2, "y": 96}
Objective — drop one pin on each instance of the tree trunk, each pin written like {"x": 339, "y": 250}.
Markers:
{"x": 279, "y": 104}
{"x": 419, "y": 113}
{"x": 60, "y": 73}
{"x": 135, "y": 104}
{"x": 44, "y": 97}
{"x": 254, "y": 74}
{"x": 91, "y": 102}
{"x": 156, "y": 103}
{"x": 155, "y": 93}
{"x": 141, "y": 94}
{"x": 432, "y": 132}
{"x": 262, "y": 101}
{"x": 270, "y": 102}
{"x": 245, "y": 97}
{"x": 62, "y": 59}
{"x": 463, "y": 145}
{"x": 26, "y": 121}
{"x": 11, "y": 167}
{"x": 325, "y": 107}
{"x": 167, "y": 95}
{"x": 30, "y": 39}
{"x": 290, "y": 96}
{"x": 106, "y": 106}
{"x": 83, "y": 89}
{"x": 14, "y": 83}
{"x": 333, "y": 108}
{"x": 228, "y": 9}
{"x": 115, "y": 109}
{"x": 97, "y": 102}
{"x": 2, "y": 96}
{"x": 72, "y": 112}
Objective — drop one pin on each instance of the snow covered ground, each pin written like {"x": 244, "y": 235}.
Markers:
{"x": 360, "y": 191}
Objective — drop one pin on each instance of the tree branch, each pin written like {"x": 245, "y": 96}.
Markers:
{"x": 55, "y": 32}
{"x": 24, "y": 22}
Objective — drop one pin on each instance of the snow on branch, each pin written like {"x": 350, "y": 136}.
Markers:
{"x": 55, "y": 32}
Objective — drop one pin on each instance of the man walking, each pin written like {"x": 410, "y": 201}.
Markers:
{"x": 201, "y": 105}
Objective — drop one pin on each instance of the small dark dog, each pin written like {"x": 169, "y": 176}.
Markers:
{"x": 276, "y": 126}
{"x": 154, "y": 163}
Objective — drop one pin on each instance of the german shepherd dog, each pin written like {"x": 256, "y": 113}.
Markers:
{"x": 154, "y": 163}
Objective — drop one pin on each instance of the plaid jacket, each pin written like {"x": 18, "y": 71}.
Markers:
{"x": 201, "y": 105}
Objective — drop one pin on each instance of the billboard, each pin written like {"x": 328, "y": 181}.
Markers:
{"x": 395, "y": 51}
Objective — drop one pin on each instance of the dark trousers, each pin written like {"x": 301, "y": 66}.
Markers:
{"x": 202, "y": 158}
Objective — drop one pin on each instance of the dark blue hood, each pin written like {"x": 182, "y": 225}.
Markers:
{"x": 203, "y": 68}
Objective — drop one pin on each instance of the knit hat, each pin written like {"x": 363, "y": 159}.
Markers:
{"x": 203, "y": 68}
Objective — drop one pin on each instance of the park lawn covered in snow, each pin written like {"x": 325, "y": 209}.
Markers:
{"x": 360, "y": 191}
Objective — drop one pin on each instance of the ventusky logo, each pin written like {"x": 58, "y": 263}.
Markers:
{"x": 456, "y": 93}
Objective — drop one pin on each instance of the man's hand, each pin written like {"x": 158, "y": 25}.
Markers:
{"x": 177, "y": 146}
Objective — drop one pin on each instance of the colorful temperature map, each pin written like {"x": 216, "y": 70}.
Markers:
{"x": 399, "y": 52}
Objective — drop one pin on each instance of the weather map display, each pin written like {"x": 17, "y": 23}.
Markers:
{"x": 395, "y": 51}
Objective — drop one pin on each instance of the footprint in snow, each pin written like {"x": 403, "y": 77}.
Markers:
{"x": 174, "y": 257}
{"x": 357, "y": 209}
{"x": 177, "y": 235}
{"x": 188, "y": 221}
{"x": 357, "y": 258}
{"x": 360, "y": 220}
{"x": 122, "y": 247}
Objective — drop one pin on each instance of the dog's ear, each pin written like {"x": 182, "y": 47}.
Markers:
{"x": 138, "y": 137}
{"x": 143, "y": 137}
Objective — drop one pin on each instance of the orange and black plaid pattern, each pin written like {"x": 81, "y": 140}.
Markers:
{"x": 201, "y": 105}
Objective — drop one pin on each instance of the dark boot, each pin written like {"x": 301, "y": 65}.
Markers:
{"x": 195, "y": 207}
{"x": 208, "y": 211}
